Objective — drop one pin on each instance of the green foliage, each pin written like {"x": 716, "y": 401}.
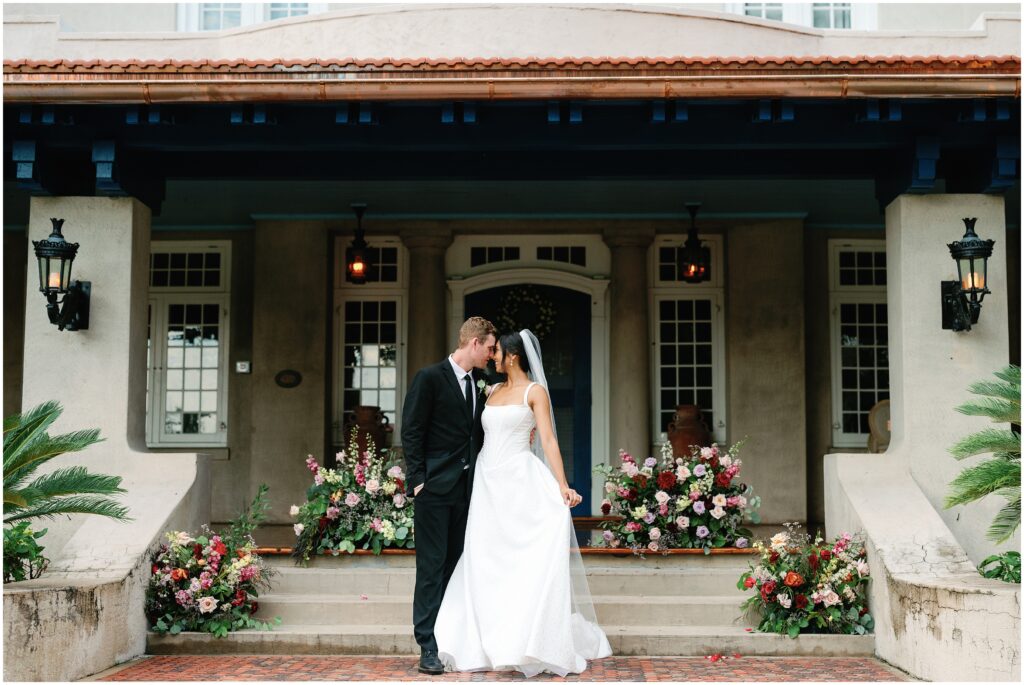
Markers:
{"x": 23, "y": 556}
{"x": 69, "y": 490}
{"x": 1000, "y": 474}
{"x": 243, "y": 526}
{"x": 1004, "y": 567}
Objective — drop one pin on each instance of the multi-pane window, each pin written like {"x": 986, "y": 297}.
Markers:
{"x": 282, "y": 10}
{"x": 216, "y": 16}
{"x": 860, "y": 337}
{"x": 567, "y": 254}
{"x": 832, "y": 15}
{"x": 186, "y": 385}
{"x": 370, "y": 354}
{"x": 480, "y": 254}
{"x": 685, "y": 357}
{"x": 764, "y": 10}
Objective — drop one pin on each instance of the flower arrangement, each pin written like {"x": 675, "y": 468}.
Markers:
{"x": 679, "y": 502}
{"x": 805, "y": 586}
{"x": 209, "y": 582}
{"x": 359, "y": 505}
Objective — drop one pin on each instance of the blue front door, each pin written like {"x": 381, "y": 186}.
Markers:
{"x": 561, "y": 319}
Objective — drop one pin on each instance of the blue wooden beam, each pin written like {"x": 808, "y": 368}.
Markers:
{"x": 104, "y": 156}
{"x": 26, "y": 169}
{"x": 925, "y": 165}
{"x": 1006, "y": 165}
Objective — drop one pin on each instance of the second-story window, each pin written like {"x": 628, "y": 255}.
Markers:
{"x": 283, "y": 10}
{"x": 832, "y": 15}
{"x": 216, "y": 16}
{"x": 764, "y": 10}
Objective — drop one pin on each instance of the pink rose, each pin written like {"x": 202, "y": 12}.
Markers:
{"x": 399, "y": 500}
{"x": 333, "y": 512}
{"x": 352, "y": 499}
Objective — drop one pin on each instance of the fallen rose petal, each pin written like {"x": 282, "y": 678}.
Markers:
{"x": 736, "y": 656}
{"x": 715, "y": 657}
{"x": 363, "y": 597}
{"x": 750, "y": 630}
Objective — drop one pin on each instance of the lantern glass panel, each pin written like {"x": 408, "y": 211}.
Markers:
{"x": 65, "y": 276}
{"x": 971, "y": 277}
{"x": 44, "y": 271}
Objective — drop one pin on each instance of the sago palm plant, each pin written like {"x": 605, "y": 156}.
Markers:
{"x": 1000, "y": 474}
{"x": 68, "y": 490}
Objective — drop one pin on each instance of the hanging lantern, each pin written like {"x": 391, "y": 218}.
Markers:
{"x": 358, "y": 261}
{"x": 961, "y": 299}
{"x": 694, "y": 258}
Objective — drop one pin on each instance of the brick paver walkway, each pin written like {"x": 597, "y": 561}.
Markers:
{"x": 768, "y": 669}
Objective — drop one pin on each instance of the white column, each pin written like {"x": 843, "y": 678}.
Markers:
{"x": 428, "y": 319}
{"x": 629, "y": 386}
{"x": 931, "y": 368}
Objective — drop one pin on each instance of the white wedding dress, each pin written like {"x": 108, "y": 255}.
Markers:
{"x": 509, "y": 604}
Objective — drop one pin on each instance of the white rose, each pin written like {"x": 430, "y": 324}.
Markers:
{"x": 682, "y": 473}
{"x": 207, "y": 605}
{"x": 372, "y": 485}
{"x": 655, "y": 534}
{"x": 661, "y": 496}
{"x": 718, "y": 500}
{"x": 785, "y": 600}
{"x": 718, "y": 512}
{"x": 294, "y": 511}
{"x": 298, "y": 528}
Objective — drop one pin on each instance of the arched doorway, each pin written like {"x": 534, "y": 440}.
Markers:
{"x": 560, "y": 317}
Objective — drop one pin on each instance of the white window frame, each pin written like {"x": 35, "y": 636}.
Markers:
{"x": 345, "y": 292}
{"x": 159, "y": 299}
{"x": 458, "y": 262}
{"x": 189, "y": 16}
{"x": 863, "y": 15}
{"x": 713, "y": 290}
{"x": 839, "y": 295}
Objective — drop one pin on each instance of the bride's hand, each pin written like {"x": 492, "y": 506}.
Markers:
{"x": 570, "y": 496}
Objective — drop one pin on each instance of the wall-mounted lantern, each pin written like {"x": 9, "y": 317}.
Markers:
{"x": 694, "y": 257}
{"x": 358, "y": 263}
{"x": 961, "y": 299}
{"x": 55, "y": 256}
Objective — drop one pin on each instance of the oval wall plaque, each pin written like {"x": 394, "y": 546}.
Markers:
{"x": 288, "y": 378}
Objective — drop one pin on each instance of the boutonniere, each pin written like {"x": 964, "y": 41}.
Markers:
{"x": 481, "y": 385}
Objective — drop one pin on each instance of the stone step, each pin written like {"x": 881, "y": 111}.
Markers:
{"x": 602, "y": 581}
{"x": 398, "y": 640}
{"x": 370, "y": 610}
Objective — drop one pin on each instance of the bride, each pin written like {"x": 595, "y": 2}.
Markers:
{"x": 518, "y": 598}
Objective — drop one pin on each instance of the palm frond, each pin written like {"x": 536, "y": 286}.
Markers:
{"x": 1000, "y": 411}
{"x": 27, "y": 427}
{"x": 1006, "y": 521}
{"x": 1006, "y": 391}
{"x": 982, "y": 479}
{"x": 76, "y": 479}
{"x": 44, "y": 448}
{"x": 1010, "y": 374}
{"x": 995, "y": 440}
{"x": 84, "y": 504}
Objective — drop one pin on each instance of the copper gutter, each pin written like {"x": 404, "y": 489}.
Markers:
{"x": 62, "y": 82}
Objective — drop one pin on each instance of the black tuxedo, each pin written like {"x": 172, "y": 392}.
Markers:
{"x": 441, "y": 438}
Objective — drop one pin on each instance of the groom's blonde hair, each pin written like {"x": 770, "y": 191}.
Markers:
{"x": 476, "y": 327}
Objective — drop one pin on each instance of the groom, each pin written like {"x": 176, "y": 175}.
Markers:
{"x": 441, "y": 435}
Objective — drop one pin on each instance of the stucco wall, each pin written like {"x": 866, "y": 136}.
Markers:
{"x": 765, "y": 362}
{"x": 290, "y": 316}
{"x": 504, "y": 31}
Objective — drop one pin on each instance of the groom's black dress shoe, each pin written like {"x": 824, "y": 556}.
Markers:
{"x": 430, "y": 664}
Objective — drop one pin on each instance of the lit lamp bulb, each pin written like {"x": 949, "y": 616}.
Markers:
{"x": 973, "y": 281}
{"x": 54, "y": 280}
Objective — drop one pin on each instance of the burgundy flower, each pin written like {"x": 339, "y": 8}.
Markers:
{"x": 826, "y": 555}
{"x": 767, "y": 590}
{"x": 632, "y": 494}
{"x": 666, "y": 480}
{"x": 641, "y": 481}
{"x": 197, "y": 551}
{"x": 812, "y": 561}
{"x": 606, "y": 508}
{"x": 801, "y": 602}
{"x": 773, "y": 557}
{"x": 723, "y": 479}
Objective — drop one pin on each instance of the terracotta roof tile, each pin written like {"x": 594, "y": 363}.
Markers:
{"x": 1002, "y": 63}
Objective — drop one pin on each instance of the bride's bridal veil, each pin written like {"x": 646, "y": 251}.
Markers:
{"x": 586, "y": 633}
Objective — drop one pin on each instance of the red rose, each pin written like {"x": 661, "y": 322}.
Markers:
{"x": 767, "y": 589}
{"x": 863, "y": 610}
{"x": 801, "y": 602}
{"x": 773, "y": 557}
{"x": 156, "y": 569}
{"x": 812, "y": 561}
{"x": 666, "y": 479}
{"x": 793, "y": 579}
{"x": 220, "y": 548}
{"x": 826, "y": 555}
{"x": 722, "y": 480}
{"x": 606, "y": 508}
{"x": 749, "y": 582}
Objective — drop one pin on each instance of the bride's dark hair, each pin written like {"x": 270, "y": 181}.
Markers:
{"x": 512, "y": 343}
